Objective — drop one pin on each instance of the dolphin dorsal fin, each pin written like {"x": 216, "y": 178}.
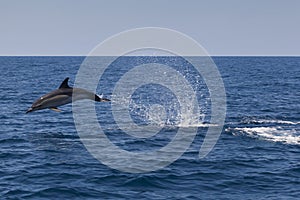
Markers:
{"x": 64, "y": 84}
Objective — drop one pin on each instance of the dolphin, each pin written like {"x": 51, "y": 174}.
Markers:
{"x": 63, "y": 95}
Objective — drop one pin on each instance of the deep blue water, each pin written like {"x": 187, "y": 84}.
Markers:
{"x": 256, "y": 157}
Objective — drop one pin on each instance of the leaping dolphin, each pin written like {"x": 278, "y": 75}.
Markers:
{"x": 62, "y": 96}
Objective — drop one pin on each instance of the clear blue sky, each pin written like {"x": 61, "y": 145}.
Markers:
{"x": 222, "y": 27}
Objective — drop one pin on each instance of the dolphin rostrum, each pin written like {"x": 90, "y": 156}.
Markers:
{"x": 62, "y": 96}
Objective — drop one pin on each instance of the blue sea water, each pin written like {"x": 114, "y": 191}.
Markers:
{"x": 256, "y": 157}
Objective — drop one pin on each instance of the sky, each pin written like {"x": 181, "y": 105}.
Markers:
{"x": 222, "y": 27}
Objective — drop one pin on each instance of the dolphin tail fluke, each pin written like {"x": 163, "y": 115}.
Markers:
{"x": 100, "y": 99}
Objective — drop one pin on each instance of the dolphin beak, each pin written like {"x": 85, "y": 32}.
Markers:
{"x": 29, "y": 110}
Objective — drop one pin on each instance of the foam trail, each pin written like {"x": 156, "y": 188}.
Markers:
{"x": 275, "y": 134}
{"x": 262, "y": 121}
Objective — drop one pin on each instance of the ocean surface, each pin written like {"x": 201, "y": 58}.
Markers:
{"x": 256, "y": 157}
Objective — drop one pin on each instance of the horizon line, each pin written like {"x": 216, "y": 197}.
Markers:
{"x": 216, "y": 55}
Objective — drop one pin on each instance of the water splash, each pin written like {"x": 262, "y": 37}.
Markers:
{"x": 163, "y": 114}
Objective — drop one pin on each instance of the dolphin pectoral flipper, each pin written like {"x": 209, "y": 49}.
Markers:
{"x": 55, "y": 109}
